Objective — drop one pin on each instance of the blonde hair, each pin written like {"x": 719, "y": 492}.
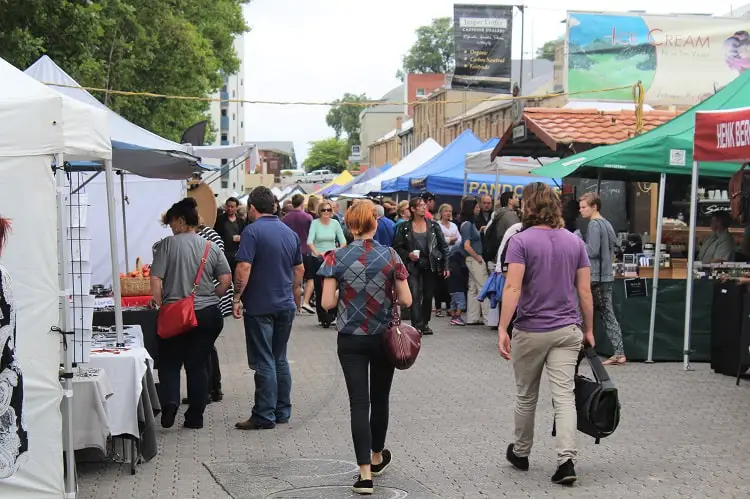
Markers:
{"x": 403, "y": 205}
{"x": 312, "y": 203}
{"x": 443, "y": 207}
{"x": 322, "y": 204}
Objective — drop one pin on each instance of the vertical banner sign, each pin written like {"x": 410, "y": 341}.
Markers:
{"x": 483, "y": 35}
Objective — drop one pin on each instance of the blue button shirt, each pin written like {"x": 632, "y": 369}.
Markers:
{"x": 273, "y": 249}
{"x": 385, "y": 232}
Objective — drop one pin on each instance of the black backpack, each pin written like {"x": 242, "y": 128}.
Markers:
{"x": 491, "y": 240}
{"x": 597, "y": 402}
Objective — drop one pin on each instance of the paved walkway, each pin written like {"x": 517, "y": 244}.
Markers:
{"x": 682, "y": 434}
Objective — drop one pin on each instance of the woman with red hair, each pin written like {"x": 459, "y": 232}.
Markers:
{"x": 14, "y": 440}
{"x": 364, "y": 279}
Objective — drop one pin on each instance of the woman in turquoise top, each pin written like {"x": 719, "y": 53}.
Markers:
{"x": 324, "y": 233}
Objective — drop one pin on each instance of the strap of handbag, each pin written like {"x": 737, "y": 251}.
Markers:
{"x": 396, "y": 315}
{"x": 201, "y": 267}
{"x": 597, "y": 368}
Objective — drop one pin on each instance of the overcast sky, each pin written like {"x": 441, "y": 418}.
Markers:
{"x": 316, "y": 50}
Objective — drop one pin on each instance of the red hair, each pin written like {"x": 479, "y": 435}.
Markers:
{"x": 4, "y": 231}
{"x": 362, "y": 218}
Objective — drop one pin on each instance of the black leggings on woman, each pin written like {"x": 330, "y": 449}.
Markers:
{"x": 368, "y": 398}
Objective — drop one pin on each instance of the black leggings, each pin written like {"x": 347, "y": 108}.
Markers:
{"x": 368, "y": 399}
{"x": 324, "y": 316}
{"x": 422, "y": 287}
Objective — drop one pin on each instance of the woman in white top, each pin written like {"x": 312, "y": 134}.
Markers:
{"x": 452, "y": 237}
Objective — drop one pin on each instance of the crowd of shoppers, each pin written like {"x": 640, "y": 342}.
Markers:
{"x": 284, "y": 256}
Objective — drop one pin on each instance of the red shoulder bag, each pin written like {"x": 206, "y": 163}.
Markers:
{"x": 179, "y": 317}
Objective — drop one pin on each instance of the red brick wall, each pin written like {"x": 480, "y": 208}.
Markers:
{"x": 429, "y": 82}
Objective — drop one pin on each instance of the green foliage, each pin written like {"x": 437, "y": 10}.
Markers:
{"x": 344, "y": 118}
{"x": 547, "y": 51}
{"x": 327, "y": 153}
{"x": 173, "y": 47}
{"x": 434, "y": 50}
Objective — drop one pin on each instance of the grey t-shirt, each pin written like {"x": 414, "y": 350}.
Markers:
{"x": 600, "y": 246}
{"x": 176, "y": 262}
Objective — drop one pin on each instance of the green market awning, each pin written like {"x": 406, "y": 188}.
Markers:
{"x": 666, "y": 149}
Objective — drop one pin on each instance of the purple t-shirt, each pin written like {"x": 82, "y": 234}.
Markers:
{"x": 548, "y": 293}
{"x": 299, "y": 222}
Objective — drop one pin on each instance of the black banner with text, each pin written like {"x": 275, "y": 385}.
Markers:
{"x": 483, "y": 35}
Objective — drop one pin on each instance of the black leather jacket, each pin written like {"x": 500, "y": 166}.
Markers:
{"x": 403, "y": 243}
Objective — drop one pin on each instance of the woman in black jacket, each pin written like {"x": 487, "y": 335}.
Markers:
{"x": 421, "y": 245}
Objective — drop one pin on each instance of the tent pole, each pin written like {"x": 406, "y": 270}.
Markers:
{"x": 599, "y": 182}
{"x": 690, "y": 264}
{"x": 466, "y": 182}
{"x": 657, "y": 266}
{"x": 124, "y": 219}
{"x": 497, "y": 182}
{"x": 114, "y": 253}
{"x": 63, "y": 253}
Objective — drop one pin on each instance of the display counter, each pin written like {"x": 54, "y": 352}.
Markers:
{"x": 633, "y": 310}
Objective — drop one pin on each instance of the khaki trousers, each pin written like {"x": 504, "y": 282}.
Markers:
{"x": 558, "y": 352}
{"x": 476, "y": 311}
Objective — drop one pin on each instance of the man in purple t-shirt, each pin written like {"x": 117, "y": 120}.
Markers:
{"x": 547, "y": 267}
{"x": 299, "y": 222}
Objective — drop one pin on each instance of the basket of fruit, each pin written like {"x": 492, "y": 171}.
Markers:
{"x": 136, "y": 282}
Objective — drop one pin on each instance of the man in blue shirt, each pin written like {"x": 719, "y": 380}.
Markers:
{"x": 386, "y": 228}
{"x": 267, "y": 285}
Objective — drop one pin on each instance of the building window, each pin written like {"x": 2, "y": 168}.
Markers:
{"x": 233, "y": 94}
{"x": 223, "y": 162}
{"x": 234, "y": 140}
{"x": 233, "y": 117}
{"x": 421, "y": 92}
{"x": 242, "y": 81}
{"x": 223, "y": 112}
{"x": 242, "y": 124}
{"x": 223, "y": 137}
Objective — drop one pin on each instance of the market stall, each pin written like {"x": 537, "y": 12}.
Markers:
{"x": 62, "y": 128}
{"x": 665, "y": 150}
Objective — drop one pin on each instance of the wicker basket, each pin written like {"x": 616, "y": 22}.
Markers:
{"x": 136, "y": 286}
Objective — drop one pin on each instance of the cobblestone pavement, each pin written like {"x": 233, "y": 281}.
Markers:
{"x": 682, "y": 434}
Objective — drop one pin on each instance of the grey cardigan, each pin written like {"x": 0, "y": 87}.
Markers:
{"x": 600, "y": 245}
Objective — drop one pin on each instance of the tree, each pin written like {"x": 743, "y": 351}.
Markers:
{"x": 547, "y": 51}
{"x": 434, "y": 50}
{"x": 172, "y": 47}
{"x": 344, "y": 118}
{"x": 327, "y": 153}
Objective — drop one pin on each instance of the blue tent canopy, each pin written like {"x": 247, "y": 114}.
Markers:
{"x": 452, "y": 184}
{"x": 337, "y": 190}
{"x": 453, "y": 153}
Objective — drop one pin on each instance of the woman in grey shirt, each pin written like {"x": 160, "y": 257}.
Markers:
{"x": 176, "y": 262}
{"x": 600, "y": 244}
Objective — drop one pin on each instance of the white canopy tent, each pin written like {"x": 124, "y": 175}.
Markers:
{"x": 419, "y": 156}
{"x": 46, "y": 71}
{"x": 38, "y": 126}
{"x": 481, "y": 162}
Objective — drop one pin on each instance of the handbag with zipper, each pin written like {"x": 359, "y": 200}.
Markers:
{"x": 179, "y": 317}
{"x": 402, "y": 341}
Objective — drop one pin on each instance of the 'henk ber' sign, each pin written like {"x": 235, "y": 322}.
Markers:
{"x": 722, "y": 135}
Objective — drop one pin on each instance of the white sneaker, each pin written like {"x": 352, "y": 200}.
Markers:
{"x": 307, "y": 308}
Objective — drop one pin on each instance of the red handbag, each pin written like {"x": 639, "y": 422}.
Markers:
{"x": 179, "y": 317}
{"x": 402, "y": 342}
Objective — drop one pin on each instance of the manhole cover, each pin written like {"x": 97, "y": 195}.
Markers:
{"x": 305, "y": 468}
{"x": 334, "y": 491}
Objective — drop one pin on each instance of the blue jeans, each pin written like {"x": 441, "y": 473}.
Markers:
{"x": 267, "y": 337}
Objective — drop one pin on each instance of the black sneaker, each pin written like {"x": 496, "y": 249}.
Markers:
{"x": 168, "y": 413}
{"x": 565, "y": 474}
{"x": 363, "y": 487}
{"x": 379, "y": 469}
{"x": 519, "y": 463}
{"x": 427, "y": 331}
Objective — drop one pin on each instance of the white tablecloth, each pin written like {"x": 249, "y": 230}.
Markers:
{"x": 90, "y": 416}
{"x": 125, "y": 370}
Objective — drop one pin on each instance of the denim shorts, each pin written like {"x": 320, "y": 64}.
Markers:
{"x": 458, "y": 301}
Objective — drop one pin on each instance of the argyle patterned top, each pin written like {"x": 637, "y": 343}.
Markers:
{"x": 366, "y": 272}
